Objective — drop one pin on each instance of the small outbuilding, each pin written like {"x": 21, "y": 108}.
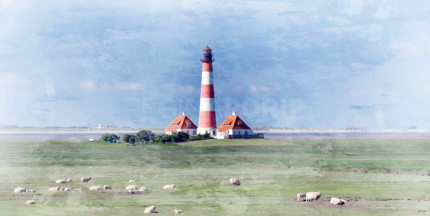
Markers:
{"x": 182, "y": 124}
{"x": 234, "y": 127}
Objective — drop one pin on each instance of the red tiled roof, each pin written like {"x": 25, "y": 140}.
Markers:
{"x": 207, "y": 48}
{"x": 232, "y": 122}
{"x": 181, "y": 122}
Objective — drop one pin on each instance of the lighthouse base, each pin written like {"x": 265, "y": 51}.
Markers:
{"x": 210, "y": 131}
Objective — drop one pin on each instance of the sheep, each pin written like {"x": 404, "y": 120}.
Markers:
{"x": 54, "y": 188}
{"x": 19, "y": 190}
{"x": 131, "y": 187}
{"x": 85, "y": 179}
{"x": 143, "y": 189}
{"x": 132, "y": 180}
{"x": 30, "y": 202}
{"x": 60, "y": 181}
{"x": 150, "y": 210}
{"x": 31, "y": 191}
{"x": 337, "y": 201}
{"x": 169, "y": 186}
{"x": 301, "y": 197}
{"x": 68, "y": 180}
{"x": 95, "y": 188}
{"x": 177, "y": 211}
{"x": 107, "y": 187}
{"x": 234, "y": 181}
{"x": 77, "y": 189}
{"x": 311, "y": 196}
{"x": 65, "y": 189}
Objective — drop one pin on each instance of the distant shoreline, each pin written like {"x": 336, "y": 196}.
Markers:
{"x": 161, "y": 130}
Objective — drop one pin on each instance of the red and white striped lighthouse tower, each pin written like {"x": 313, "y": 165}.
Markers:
{"x": 207, "y": 118}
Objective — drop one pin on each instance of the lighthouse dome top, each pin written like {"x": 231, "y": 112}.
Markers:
{"x": 207, "y": 48}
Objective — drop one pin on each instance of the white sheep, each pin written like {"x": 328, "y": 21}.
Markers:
{"x": 311, "y": 196}
{"x": 60, "y": 181}
{"x": 31, "y": 191}
{"x": 30, "y": 202}
{"x": 95, "y": 188}
{"x": 177, "y": 211}
{"x": 131, "y": 187}
{"x": 337, "y": 201}
{"x": 54, "y": 188}
{"x": 143, "y": 189}
{"x": 85, "y": 179}
{"x": 169, "y": 186}
{"x": 301, "y": 197}
{"x": 68, "y": 180}
{"x": 132, "y": 180}
{"x": 65, "y": 189}
{"x": 150, "y": 209}
{"x": 19, "y": 190}
{"x": 234, "y": 181}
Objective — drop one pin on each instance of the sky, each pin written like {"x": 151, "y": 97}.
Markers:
{"x": 136, "y": 63}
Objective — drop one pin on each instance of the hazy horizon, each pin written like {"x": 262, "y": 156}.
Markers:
{"x": 298, "y": 64}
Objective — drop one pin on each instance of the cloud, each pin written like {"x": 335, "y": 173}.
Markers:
{"x": 87, "y": 85}
{"x": 387, "y": 9}
{"x": 9, "y": 79}
{"x": 265, "y": 89}
{"x": 91, "y": 86}
{"x": 128, "y": 86}
{"x": 187, "y": 89}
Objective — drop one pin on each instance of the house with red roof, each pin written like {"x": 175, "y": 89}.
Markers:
{"x": 233, "y": 127}
{"x": 182, "y": 124}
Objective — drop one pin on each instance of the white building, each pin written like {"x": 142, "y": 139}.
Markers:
{"x": 182, "y": 124}
{"x": 233, "y": 127}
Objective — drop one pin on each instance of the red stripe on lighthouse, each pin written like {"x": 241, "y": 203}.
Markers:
{"x": 207, "y": 91}
{"x": 207, "y": 119}
{"x": 207, "y": 67}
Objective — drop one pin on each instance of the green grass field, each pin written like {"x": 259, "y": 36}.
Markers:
{"x": 376, "y": 177}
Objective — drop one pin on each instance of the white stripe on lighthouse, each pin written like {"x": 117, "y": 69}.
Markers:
{"x": 207, "y": 104}
{"x": 207, "y": 78}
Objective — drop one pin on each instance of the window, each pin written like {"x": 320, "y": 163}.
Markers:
{"x": 238, "y": 132}
{"x": 214, "y": 133}
{"x": 246, "y": 132}
{"x": 189, "y": 125}
{"x": 194, "y": 132}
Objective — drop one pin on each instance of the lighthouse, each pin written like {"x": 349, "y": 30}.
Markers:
{"x": 207, "y": 118}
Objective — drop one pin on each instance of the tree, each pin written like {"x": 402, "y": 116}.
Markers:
{"x": 201, "y": 136}
{"x": 181, "y": 137}
{"x": 126, "y": 137}
{"x": 144, "y": 135}
{"x": 112, "y": 138}
{"x": 175, "y": 137}
{"x": 132, "y": 139}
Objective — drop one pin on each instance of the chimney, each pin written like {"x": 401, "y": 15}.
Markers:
{"x": 183, "y": 113}
{"x": 234, "y": 112}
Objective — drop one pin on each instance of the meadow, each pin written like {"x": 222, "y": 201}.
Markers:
{"x": 376, "y": 177}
